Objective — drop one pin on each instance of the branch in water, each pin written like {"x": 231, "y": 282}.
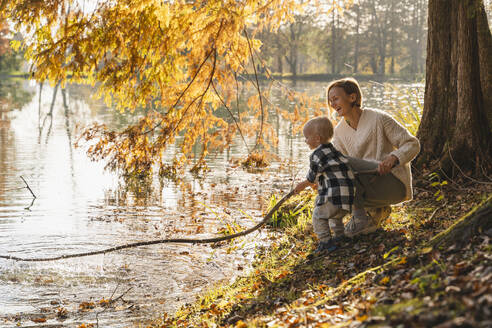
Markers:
{"x": 160, "y": 241}
{"x": 27, "y": 186}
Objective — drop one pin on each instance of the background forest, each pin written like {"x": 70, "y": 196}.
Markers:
{"x": 369, "y": 37}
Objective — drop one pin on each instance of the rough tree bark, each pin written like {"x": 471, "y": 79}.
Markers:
{"x": 455, "y": 131}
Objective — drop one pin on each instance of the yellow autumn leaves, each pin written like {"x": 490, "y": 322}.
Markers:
{"x": 177, "y": 59}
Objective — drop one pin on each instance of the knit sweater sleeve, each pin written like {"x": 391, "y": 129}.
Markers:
{"x": 406, "y": 145}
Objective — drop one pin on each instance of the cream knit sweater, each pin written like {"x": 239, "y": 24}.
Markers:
{"x": 377, "y": 136}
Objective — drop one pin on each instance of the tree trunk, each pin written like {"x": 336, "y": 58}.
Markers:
{"x": 333, "y": 45}
{"x": 392, "y": 37}
{"x": 294, "y": 36}
{"x": 382, "y": 51}
{"x": 373, "y": 63}
{"x": 356, "y": 51}
{"x": 454, "y": 130}
{"x": 381, "y": 37}
{"x": 280, "y": 67}
{"x": 414, "y": 49}
{"x": 421, "y": 15}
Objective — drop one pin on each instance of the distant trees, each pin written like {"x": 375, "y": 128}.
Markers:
{"x": 368, "y": 36}
{"x": 4, "y": 42}
{"x": 290, "y": 48}
{"x": 9, "y": 60}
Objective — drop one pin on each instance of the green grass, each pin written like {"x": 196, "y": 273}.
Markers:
{"x": 406, "y": 106}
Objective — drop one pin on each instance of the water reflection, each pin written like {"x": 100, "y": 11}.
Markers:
{"x": 80, "y": 207}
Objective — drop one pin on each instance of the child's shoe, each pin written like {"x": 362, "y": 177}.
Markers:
{"x": 357, "y": 226}
{"x": 340, "y": 239}
{"x": 325, "y": 247}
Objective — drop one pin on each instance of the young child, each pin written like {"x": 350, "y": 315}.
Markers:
{"x": 336, "y": 183}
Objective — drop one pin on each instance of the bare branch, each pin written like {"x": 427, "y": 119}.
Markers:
{"x": 232, "y": 115}
{"x": 160, "y": 241}
{"x": 258, "y": 89}
{"x": 27, "y": 186}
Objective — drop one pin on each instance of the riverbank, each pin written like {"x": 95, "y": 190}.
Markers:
{"x": 14, "y": 75}
{"x": 321, "y": 77}
{"x": 324, "y": 77}
{"x": 389, "y": 278}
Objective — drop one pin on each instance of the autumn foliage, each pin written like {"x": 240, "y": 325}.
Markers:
{"x": 178, "y": 60}
{"x": 4, "y": 41}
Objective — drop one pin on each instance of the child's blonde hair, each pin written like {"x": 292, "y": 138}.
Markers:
{"x": 322, "y": 126}
{"x": 350, "y": 86}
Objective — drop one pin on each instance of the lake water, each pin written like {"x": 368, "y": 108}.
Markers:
{"x": 80, "y": 207}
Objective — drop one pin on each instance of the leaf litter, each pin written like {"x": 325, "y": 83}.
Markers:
{"x": 386, "y": 279}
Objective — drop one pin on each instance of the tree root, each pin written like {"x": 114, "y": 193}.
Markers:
{"x": 477, "y": 220}
{"x": 160, "y": 241}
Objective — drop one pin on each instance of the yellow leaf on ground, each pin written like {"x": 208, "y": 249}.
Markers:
{"x": 241, "y": 324}
{"x": 384, "y": 281}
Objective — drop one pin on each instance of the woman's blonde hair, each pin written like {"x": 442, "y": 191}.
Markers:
{"x": 350, "y": 86}
{"x": 322, "y": 126}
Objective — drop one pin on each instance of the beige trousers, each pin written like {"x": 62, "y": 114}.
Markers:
{"x": 372, "y": 191}
{"x": 325, "y": 217}
{"x": 376, "y": 190}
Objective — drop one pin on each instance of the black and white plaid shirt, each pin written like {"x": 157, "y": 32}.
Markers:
{"x": 336, "y": 181}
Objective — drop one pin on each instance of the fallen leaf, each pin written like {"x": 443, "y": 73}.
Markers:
{"x": 426, "y": 250}
{"x": 384, "y": 280}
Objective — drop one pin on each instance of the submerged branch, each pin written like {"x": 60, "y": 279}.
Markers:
{"x": 160, "y": 241}
{"x": 27, "y": 186}
{"x": 260, "y": 96}
{"x": 232, "y": 115}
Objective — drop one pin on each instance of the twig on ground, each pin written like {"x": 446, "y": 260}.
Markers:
{"x": 15, "y": 189}
{"x": 288, "y": 253}
{"x": 30, "y": 205}
{"x": 434, "y": 213}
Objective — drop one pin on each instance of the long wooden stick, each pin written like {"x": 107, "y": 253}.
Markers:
{"x": 159, "y": 241}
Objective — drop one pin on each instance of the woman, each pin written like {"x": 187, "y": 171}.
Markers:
{"x": 383, "y": 145}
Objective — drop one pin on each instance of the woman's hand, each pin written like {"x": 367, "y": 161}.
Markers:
{"x": 387, "y": 164}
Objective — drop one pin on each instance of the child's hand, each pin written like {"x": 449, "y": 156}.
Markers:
{"x": 301, "y": 186}
{"x": 298, "y": 188}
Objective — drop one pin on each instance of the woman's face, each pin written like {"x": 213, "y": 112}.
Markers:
{"x": 340, "y": 101}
